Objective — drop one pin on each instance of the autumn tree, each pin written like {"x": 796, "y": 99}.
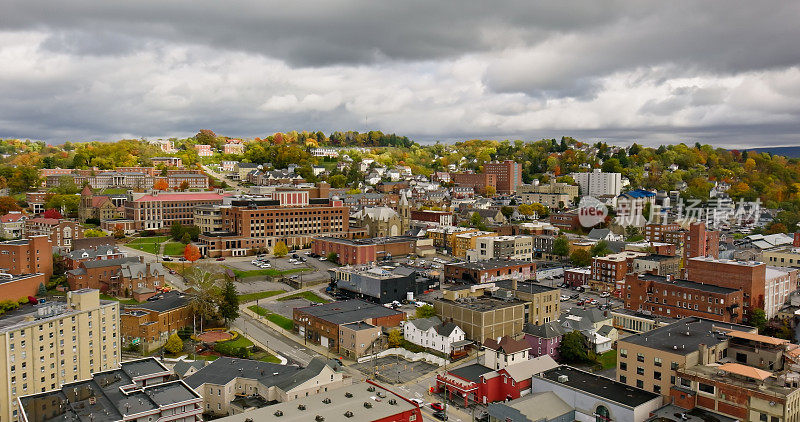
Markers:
{"x": 191, "y": 253}
{"x": 491, "y": 191}
{"x": 119, "y": 232}
{"x": 425, "y": 311}
{"x": 93, "y": 233}
{"x": 395, "y": 338}
{"x": 8, "y": 204}
{"x": 184, "y": 185}
{"x": 280, "y": 249}
{"x": 580, "y": 258}
{"x": 174, "y": 344}
{"x": 161, "y": 184}
{"x": 52, "y": 213}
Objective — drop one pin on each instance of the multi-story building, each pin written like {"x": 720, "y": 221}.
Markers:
{"x": 124, "y": 277}
{"x": 250, "y": 224}
{"x": 227, "y": 380}
{"x": 567, "y": 220}
{"x": 518, "y": 248}
{"x": 167, "y": 161}
{"x": 650, "y": 360}
{"x": 700, "y": 242}
{"x": 763, "y": 286}
{"x": 504, "y": 351}
{"x": 159, "y": 210}
{"x": 439, "y": 218}
{"x": 544, "y": 339}
{"x": 542, "y": 303}
{"x": 204, "y": 150}
{"x": 139, "y": 390}
{"x": 12, "y": 225}
{"x": 46, "y": 345}
{"x": 208, "y": 218}
{"x": 467, "y": 241}
{"x": 184, "y": 180}
{"x": 482, "y": 317}
{"x": 784, "y": 257}
{"x": 489, "y": 271}
{"x": 36, "y": 201}
{"x": 97, "y": 253}
{"x": 575, "y": 277}
{"x": 597, "y": 183}
{"x": 608, "y": 272}
{"x": 637, "y": 322}
{"x": 364, "y": 251}
{"x": 31, "y": 255}
{"x": 60, "y": 231}
{"x": 675, "y": 298}
{"x": 508, "y": 175}
{"x": 150, "y": 323}
{"x": 357, "y": 339}
{"x": 320, "y": 323}
{"x": 233, "y": 149}
{"x": 375, "y": 284}
{"x": 165, "y": 145}
{"x": 552, "y": 195}
{"x": 477, "y": 181}
{"x": 657, "y": 264}
{"x": 657, "y": 232}
{"x": 445, "y": 237}
{"x": 432, "y": 333}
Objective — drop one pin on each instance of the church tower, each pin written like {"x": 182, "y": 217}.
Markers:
{"x": 85, "y": 210}
{"x": 405, "y": 212}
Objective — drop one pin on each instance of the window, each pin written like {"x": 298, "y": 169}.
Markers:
{"x": 639, "y": 370}
{"x": 623, "y": 379}
{"x": 623, "y": 353}
{"x": 639, "y": 383}
{"x": 657, "y": 362}
{"x": 623, "y": 366}
{"x": 673, "y": 365}
{"x": 640, "y": 357}
{"x": 686, "y": 383}
{"x": 706, "y": 388}
{"x": 657, "y": 389}
{"x": 602, "y": 414}
{"x": 657, "y": 375}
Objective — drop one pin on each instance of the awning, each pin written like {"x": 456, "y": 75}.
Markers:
{"x": 461, "y": 343}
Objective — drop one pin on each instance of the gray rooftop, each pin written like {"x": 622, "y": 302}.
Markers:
{"x": 684, "y": 336}
{"x": 168, "y": 301}
{"x": 710, "y": 288}
{"x": 597, "y": 385}
{"x": 484, "y": 304}
{"x": 525, "y": 286}
{"x": 491, "y": 264}
{"x": 225, "y": 369}
{"x": 347, "y": 311}
{"x": 334, "y": 411}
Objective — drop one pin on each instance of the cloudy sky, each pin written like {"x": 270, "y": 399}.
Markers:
{"x": 720, "y": 72}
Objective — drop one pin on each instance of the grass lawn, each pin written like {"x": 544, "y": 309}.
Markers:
{"x": 121, "y": 301}
{"x": 608, "y": 359}
{"x": 147, "y": 244}
{"x": 265, "y": 357}
{"x": 240, "y": 341}
{"x": 174, "y": 249}
{"x": 279, "y": 320}
{"x": 310, "y": 296}
{"x": 266, "y": 271}
{"x": 114, "y": 191}
{"x": 249, "y": 297}
{"x": 207, "y": 357}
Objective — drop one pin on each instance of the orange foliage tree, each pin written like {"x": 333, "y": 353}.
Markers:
{"x": 191, "y": 253}
{"x": 161, "y": 184}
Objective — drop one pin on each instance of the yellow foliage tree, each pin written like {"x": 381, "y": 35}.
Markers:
{"x": 280, "y": 250}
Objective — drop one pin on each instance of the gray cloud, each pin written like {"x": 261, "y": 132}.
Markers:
{"x": 620, "y": 70}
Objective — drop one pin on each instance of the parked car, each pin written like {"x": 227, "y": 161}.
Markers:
{"x": 220, "y": 259}
{"x": 564, "y": 298}
{"x": 579, "y": 302}
{"x": 575, "y": 296}
{"x": 166, "y": 258}
{"x": 594, "y": 302}
{"x": 292, "y": 260}
{"x": 440, "y": 415}
{"x": 437, "y": 406}
{"x": 172, "y": 271}
{"x": 605, "y": 294}
{"x": 419, "y": 402}
{"x": 322, "y": 258}
{"x": 295, "y": 256}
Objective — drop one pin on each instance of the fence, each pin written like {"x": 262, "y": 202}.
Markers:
{"x": 407, "y": 355}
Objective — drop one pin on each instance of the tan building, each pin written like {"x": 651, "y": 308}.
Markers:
{"x": 227, "y": 379}
{"x": 657, "y": 264}
{"x": 552, "y": 195}
{"x": 782, "y": 257}
{"x": 481, "y": 317}
{"x": 208, "y": 218}
{"x": 44, "y": 346}
{"x": 542, "y": 303}
{"x": 467, "y": 241}
{"x": 356, "y": 338}
{"x": 650, "y": 360}
{"x": 445, "y": 237}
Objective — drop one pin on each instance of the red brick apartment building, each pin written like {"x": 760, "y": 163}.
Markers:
{"x": 60, "y": 231}
{"x": 154, "y": 321}
{"x": 489, "y": 271}
{"x": 442, "y": 218}
{"x": 577, "y": 276}
{"x": 27, "y": 256}
{"x": 508, "y": 175}
{"x": 121, "y": 276}
{"x": 608, "y": 272}
{"x": 158, "y": 210}
{"x": 700, "y": 242}
{"x": 477, "y": 181}
{"x": 364, "y": 251}
{"x": 676, "y": 298}
{"x": 747, "y": 276}
{"x": 567, "y": 220}
{"x": 251, "y": 224}
{"x": 656, "y": 232}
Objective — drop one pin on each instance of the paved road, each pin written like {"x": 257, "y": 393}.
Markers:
{"x": 222, "y": 177}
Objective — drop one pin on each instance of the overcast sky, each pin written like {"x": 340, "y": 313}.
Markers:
{"x": 720, "y": 72}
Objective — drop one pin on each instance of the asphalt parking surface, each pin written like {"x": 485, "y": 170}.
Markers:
{"x": 395, "y": 370}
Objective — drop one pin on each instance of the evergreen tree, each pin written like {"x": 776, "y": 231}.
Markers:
{"x": 42, "y": 290}
{"x": 229, "y": 306}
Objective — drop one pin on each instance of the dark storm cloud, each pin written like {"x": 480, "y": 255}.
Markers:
{"x": 661, "y": 71}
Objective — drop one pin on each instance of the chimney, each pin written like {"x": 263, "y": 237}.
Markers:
{"x": 702, "y": 350}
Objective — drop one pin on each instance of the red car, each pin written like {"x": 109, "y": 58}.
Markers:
{"x": 437, "y": 406}
{"x": 220, "y": 259}
{"x": 579, "y": 303}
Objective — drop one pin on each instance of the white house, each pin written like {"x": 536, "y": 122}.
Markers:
{"x": 504, "y": 352}
{"x": 394, "y": 175}
{"x": 433, "y": 334}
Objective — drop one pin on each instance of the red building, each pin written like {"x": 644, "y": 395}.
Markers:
{"x": 508, "y": 173}
{"x": 676, "y": 298}
{"x": 577, "y": 276}
{"x": 700, "y": 242}
{"x": 567, "y": 220}
{"x": 27, "y": 256}
{"x": 364, "y": 251}
{"x": 657, "y": 232}
{"x": 477, "y": 181}
{"x": 443, "y": 218}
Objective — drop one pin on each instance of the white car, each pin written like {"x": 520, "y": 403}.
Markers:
{"x": 322, "y": 258}
{"x": 298, "y": 263}
{"x": 564, "y": 298}
{"x": 292, "y": 260}
{"x": 605, "y": 294}
{"x": 420, "y": 304}
{"x": 419, "y": 402}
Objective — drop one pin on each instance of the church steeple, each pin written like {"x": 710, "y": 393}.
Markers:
{"x": 405, "y": 212}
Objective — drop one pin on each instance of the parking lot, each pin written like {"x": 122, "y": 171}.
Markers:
{"x": 395, "y": 369}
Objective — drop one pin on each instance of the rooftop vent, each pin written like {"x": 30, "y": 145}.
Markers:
{"x": 326, "y": 400}
{"x": 348, "y": 414}
{"x": 368, "y": 405}
{"x": 319, "y": 418}
{"x": 277, "y": 413}
{"x": 563, "y": 378}
{"x": 392, "y": 402}
{"x": 348, "y": 394}
{"x": 371, "y": 389}
{"x": 301, "y": 407}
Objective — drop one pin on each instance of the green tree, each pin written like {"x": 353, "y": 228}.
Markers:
{"x": 507, "y": 211}
{"x": 574, "y": 348}
{"x": 612, "y": 165}
{"x": 186, "y": 239}
{"x": 395, "y": 338}
{"x": 599, "y": 249}
{"x": 67, "y": 185}
{"x": 280, "y": 249}
{"x": 580, "y": 258}
{"x": 561, "y": 246}
{"x": 176, "y": 231}
{"x": 338, "y": 181}
{"x": 93, "y": 233}
{"x": 229, "y": 306}
{"x": 42, "y": 290}
{"x": 758, "y": 318}
{"x": 475, "y": 219}
{"x": 333, "y": 257}
{"x": 425, "y": 311}
{"x": 174, "y": 344}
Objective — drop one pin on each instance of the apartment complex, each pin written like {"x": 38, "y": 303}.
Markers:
{"x": 46, "y": 345}
{"x": 552, "y": 195}
{"x": 608, "y": 272}
{"x": 676, "y": 298}
{"x": 657, "y": 232}
{"x": 650, "y": 360}
{"x": 152, "y": 322}
{"x": 32, "y": 255}
{"x": 480, "y": 316}
{"x": 466, "y": 241}
{"x": 508, "y": 175}
{"x": 700, "y": 242}
{"x": 291, "y": 217}
{"x": 60, "y": 231}
{"x": 477, "y": 181}
{"x": 518, "y": 248}
{"x": 597, "y": 183}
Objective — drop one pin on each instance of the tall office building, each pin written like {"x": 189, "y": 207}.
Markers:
{"x": 46, "y": 345}
{"x": 508, "y": 175}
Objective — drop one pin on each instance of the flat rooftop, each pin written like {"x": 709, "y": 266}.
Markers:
{"x": 710, "y": 288}
{"x": 686, "y": 335}
{"x": 347, "y": 311}
{"x": 168, "y": 301}
{"x": 673, "y": 413}
{"x": 525, "y": 286}
{"x": 470, "y": 372}
{"x": 659, "y": 257}
{"x": 379, "y": 407}
{"x": 370, "y": 241}
{"x": 11, "y": 278}
{"x": 599, "y": 386}
{"x": 727, "y": 261}
{"x": 29, "y": 314}
{"x": 484, "y": 304}
{"x": 491, "y": 264}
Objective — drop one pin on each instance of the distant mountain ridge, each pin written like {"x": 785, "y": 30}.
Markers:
{"x": 791, "y": 152}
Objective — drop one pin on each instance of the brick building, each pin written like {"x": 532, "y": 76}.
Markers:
{"x": 574, "y": 277}
{"x": 477, "y": 181}
{"x": 167, "y": 161}
{"x": 159, "y": 210}
{"x": 74, "y": 258}
{"x": 364, "y": 251}
{"x": 482, "y": 317}
{"x": 608, "y": 272}
{"x": 31, "y": 255}
{"x": 124, "y": 277}
{"x": 441, "y": 218}
{"x": 567, "y": 220}
{"x": 321, "y": 324}
{"x": 152, "y": 322}
{"x": 656, "y": 232}
{"x": 36, "y": 201}
{"x": 60, "y": 231}
{"x": 657, "y": 264}
{"x": 676, "y": 298}
{"x": 508, "y": 175}
{"x": 489, "y": 271}
{"x": 16, "y": 287}
{"x": 204, "y": 150}
{"x": 700, "y": 242}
